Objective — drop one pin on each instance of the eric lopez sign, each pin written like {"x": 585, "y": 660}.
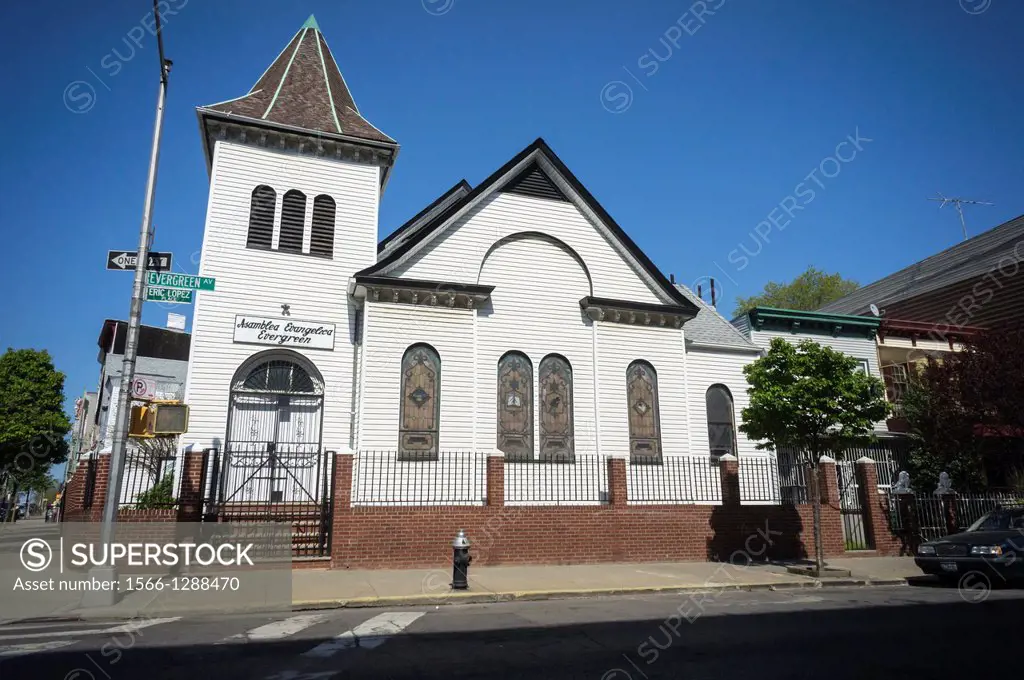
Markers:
{"x": 284, "y": 332}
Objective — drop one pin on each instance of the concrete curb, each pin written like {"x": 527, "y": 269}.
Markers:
{"x": 533, "y": 595}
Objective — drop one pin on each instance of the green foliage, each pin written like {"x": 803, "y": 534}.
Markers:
{"x": 160, "y": 496}
{"x": 32, "y": 419}
{"x": 811, "y": 398}
{"x": 810, "y": 291}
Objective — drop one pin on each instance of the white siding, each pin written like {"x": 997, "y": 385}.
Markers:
{"x": 457, "y": 254}
{"x": 620, "y": 345}
{"x": 704, "y": 369}
{"x": 390, "y": 330}
{"x": 258, "y": 282}
{"x": 535, "y": 309}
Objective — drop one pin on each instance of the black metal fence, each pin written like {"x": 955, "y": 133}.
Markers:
{"x": 582, "y": 481}
{"x": 148, "y": 482}
{"x": 770, "y": 481}
{"x": 453, "y": 478}
{"x": 673, "y": 479}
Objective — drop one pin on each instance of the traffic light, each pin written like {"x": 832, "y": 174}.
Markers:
{"x": 158, "y": 418}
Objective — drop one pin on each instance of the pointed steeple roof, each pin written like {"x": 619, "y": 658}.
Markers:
{"x": 304, "y": 88}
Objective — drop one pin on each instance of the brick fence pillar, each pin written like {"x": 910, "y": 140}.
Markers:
{"x": 190, "y": 500}
{"x": 341, "y": 512}
{"x": 729, "y": 468}
{"x": 618, "y": 490}
{"x": 99, "y": 490}
{"x": 873, "y": 507}
{"x": 833, "y": 541}
{"x": 496, "y": 480}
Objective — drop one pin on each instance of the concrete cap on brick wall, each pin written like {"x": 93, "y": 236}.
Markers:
{"x": 826, "y": 459}
{"x": 864, "y": 460}
{"x": 727, "y": 457}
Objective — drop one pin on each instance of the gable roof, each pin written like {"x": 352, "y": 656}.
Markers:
{"x": 523, "y": 161}
{"x": 424, "y": 216}
{"x": 711, "y": 328}
{"x": 962, "y": 262}
{"x": 303, "y": 88}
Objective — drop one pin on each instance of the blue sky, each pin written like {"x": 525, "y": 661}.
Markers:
{"x": 690, "y": 131}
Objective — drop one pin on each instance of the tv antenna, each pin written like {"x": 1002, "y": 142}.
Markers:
{"x": 959, "y": 203}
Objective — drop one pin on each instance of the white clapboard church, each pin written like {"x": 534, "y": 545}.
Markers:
{"x": 514, "y": 316}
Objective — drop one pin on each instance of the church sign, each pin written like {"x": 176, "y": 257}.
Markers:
{"x": 283, "y": 332}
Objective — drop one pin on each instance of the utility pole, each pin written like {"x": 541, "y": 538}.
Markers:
{"x": 958, "y": 202}
{"x": 120, "y": 439}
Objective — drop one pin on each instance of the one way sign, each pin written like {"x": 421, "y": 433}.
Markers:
{"x": 122, "y": 260}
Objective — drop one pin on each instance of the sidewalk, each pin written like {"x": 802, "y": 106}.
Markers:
{"x": 370, "y": 588}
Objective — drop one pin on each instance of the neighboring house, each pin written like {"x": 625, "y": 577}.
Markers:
{"x": 514, "y": 317}
{"x": 162, "y": 360}
{"x": 83, "y": 430}
{"x": 931, "y": 307}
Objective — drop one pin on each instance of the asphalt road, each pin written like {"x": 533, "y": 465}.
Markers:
{"x": 857, "y": 633}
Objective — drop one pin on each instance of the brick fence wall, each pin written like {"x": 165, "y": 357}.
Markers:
{"x": 420, "y": 536}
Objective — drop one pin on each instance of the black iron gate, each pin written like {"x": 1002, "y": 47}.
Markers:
{"x": 855, "y": 534}
{"x": 273, "y": 483}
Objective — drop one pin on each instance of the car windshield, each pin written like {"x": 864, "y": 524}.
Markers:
{"x": 997, "y": 520}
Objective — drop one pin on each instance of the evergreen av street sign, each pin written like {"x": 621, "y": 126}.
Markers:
{"x": 185, "y": 281}
{"x": 173, "y": 295}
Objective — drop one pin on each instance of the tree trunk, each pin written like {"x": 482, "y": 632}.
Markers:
{"x": 819, "y": 562}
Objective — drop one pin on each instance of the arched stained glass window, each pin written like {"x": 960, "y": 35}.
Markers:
{"x": 644, "y": 414}
{"x": 515, "y": 406}
{"x": 721, "y": 421}
{"x": 420, "y": 409}
{"x": 555, "y": 404}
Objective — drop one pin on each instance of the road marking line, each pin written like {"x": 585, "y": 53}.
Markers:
{"x": 369, "y": 634}
{"x": 127, "y": 627}
{"x": 282, "y": 628}
{"x": 33, "y": 647}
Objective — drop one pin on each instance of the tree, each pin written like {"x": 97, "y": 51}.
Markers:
{"x": 813, "y": 399}
{"x": 810, "y": 291}
{"x": 966, "y": 412}
{"x": 33, "y": 424}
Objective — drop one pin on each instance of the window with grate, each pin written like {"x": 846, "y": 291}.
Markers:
{"x": 321, "y": 240}
{"x": 261, "y": 217}
{"x": 293, "y": 219}
{"x": 721, "y": 422}
{"x": 644, "y": 416}
{"x": 420, "y": 405}
{"x": 515, "y": 406}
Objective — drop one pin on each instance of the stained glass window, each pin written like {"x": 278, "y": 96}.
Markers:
{"x": 515, "y": 406}
{"x": 644, "y": 415}
{"x": 721, "y": 422}
{"x": 420, "y": 407}
{"x": 556, "y": 422}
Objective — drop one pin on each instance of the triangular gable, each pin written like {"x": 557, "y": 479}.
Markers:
{"x": 540, "y": 156}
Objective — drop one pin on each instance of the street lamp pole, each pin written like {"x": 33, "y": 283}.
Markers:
{"x": 120, "y": 435}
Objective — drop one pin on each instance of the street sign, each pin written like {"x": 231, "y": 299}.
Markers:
{"x": 124, "y": 260}
{"x": 143, "y": 388}
{"x": 172, "y": 295}
{"x": 186, "y": 281}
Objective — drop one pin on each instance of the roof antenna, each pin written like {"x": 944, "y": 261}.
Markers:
{"x": 712, "y": 292}
{"x": 958, "y": 202}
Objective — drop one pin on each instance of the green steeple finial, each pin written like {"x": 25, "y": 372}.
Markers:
{"x": 311, "y": 23}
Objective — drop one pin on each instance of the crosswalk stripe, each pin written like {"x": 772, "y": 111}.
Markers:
{"x": 369, "y": 634}
{"x": 127, "y": 627}
{"x": 33, "y": 647}
{"x": 282, "y": 628}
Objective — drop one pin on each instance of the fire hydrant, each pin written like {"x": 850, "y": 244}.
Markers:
{"x": 460, "y": 561}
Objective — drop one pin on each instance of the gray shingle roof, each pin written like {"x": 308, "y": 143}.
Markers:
{"x": 711, "y": 328}
{"x": 961, "y": 262}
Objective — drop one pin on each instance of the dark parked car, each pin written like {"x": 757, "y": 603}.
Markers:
{"x": 993, "y": 545}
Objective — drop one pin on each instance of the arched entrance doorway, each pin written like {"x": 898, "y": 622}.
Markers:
{"x": 272, "y": 467}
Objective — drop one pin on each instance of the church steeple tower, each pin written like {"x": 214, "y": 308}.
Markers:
{"x": 303, "y": 91}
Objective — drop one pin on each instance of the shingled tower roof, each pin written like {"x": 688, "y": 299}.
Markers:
{"x": 304, "y": 89}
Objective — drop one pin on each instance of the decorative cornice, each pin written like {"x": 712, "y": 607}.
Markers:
{"x": 813, "y": 323}
{"x": 420, "y": 292}
{"x": 636, "y": 313}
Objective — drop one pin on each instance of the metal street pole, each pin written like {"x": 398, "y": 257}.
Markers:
{"x": 120, "y": 438}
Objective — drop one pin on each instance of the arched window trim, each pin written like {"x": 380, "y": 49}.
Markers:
{"x": 321, "y": 235}
{"x": 262, "y": 208}
{"x": 293, "y": 222}
{"x": 644, "y": 447}
{"x": 556, "y": 446}
{"x": 429, "y": 448}
{"x": 717, "y": 451}
{"x": 506, "y": 439}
